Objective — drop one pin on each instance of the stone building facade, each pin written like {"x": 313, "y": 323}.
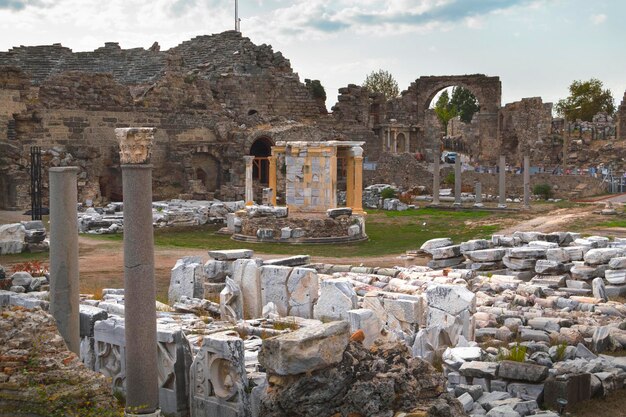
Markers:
{"x": 214, "y": 99}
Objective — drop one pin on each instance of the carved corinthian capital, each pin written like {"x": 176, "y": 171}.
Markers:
{"x": 135, "y": 144}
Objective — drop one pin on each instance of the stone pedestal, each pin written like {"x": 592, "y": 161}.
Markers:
{"x": 478, "y": 192}
{"x": 249, "y": 197}
{"x": 526, "y": 204}
{"x": 436, "y": 160}
{"x": 64, "y": 282}
{"x": 457, "y": 181}
{"x": 502, "y": 183}
{"x": 142, "y": 388}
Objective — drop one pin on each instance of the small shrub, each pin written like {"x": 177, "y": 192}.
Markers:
{"x": 560, "y": 351}
{"x": 388, "y": 193}
{"x": 449, "y": 179}
{"x": 543, "y": 190}
{"x": 516, "y": 354}
{"x": 34, "y": 268}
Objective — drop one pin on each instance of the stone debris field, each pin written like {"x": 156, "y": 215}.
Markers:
{"x": 516, "y": 324}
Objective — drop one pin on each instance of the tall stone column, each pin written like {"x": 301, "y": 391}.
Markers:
{"x": 249, "y": 185}
{"x": 478, "y": 195}
{"x": 142, "y": 389}
{"x": 436, "y": 161}
{"x": 526, "y": 204}
{"x": 272, "y": 179}
{"x": 457, "y": 181}
{"x": 357, "y": 206}
{"x": 502, "y": 183}
{"x": 349, "y": 181}
{"x": 64, "y": 282}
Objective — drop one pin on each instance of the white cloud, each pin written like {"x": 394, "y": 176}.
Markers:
{"x": 598, "y": 19}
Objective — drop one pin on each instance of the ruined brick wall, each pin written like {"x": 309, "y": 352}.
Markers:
{"x": 526, "y": 128}
{"x": 208, "y": 98}
{"x": 621, "y": 120}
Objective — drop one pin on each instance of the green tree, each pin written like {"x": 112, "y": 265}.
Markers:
{"x": 382, "y": 81}
{"x": 316, "y": 88}
{"x": 444, "y": 110}
{"x": 465, "y": 103}
{"x": 586, "y": 99}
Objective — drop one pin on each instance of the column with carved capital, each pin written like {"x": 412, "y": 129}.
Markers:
{"x": 142, "y": 389}
{"x": 249, "y": 159}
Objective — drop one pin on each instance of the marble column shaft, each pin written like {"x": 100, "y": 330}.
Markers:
{"x": 526, "y": 182}
{"x": 249, "y": 185}
{"x": 436, "y": 159}
{"x": 478, "y": 192}
{"x": 457, "y": 180}
{"x": 272, "y": 179}
{"x": 357, "y": 196}
{"x": 64, "y": 272}
{"x": 502, "y": 183}
{"x": 142, "y": 392}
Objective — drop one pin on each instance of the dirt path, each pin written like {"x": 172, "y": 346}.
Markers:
{"x": 556, "y": 220}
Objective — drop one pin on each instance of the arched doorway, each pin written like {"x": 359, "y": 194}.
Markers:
{"x": 401, "y": 143}
{"x": 207, "y": 169}
{"x": 261, "y": 149}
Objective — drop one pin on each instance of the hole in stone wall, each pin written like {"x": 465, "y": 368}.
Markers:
{"x": 251, "y": 112}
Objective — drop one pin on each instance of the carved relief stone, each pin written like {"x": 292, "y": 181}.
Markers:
{"x": 218, "y": 378}
{"x": 135, "y": 144}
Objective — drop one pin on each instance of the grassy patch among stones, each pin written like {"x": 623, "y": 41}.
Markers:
{"x": 389, "y": 233}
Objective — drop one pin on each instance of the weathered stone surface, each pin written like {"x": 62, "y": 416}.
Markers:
{"x": 527, "y": 392}
{"x": 30, "y": 338}
{"x": 305, "y": 350}
{"x": 526, "y": 252}
{"x": 89, "y": 315}
{"x": 544, "y": 266}
{"x": 479, "y": 369}
{"x": 522, "y": 371}
{"x": 401, "y": 384}
{"x": 452, "y": 299}
{"x": 21, "y": 278}
{"x": 486, "y": 255}
{"x": 12, "y": 238}
{"x": 445, "y": 252}
{"x": 602, "y": 255}
{"x": 187, "y": 279}
{"x": 599, "y": 289}
{"x": 618, "y": 262}
{"x": 476, "y": 244}
{"x": 337, "y": 297}
{"x": 231, "y": 254}
{"x": 436, "y": 243}
{"x": 615, "y": 276}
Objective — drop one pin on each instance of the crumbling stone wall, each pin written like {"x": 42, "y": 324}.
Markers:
{"x": 207, "y": 97}
{"x": 525, "y": 128}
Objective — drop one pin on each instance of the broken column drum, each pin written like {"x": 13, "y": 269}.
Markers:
{"x": 142, "y": 395}
{"x": 64, "y": 282}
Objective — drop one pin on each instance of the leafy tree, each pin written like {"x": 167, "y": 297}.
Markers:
{"x": 382, "y": 81}
{"x": 586, "y": 99}
{"x": 444, "y": 110}
{"x": 465, "y": 103}
{"x": 316, "y": 88}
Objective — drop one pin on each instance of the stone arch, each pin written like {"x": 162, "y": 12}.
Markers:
{"x": 207, "y": 168}
{"x": 488, "y": 90}
{"x": 485, "y": 143}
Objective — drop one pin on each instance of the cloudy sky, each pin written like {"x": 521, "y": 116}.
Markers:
{"x": 537, "y": 47}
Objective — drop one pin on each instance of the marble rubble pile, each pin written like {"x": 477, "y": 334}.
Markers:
{"x": 26, "y": 236}
{"x": 110, "y": 219}
{"x": 237, "y": 324}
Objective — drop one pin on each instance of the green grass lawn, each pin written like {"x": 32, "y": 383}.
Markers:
{"x": 389, "y": 233}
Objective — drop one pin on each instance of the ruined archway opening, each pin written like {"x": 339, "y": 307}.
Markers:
{"x": 452, "y": 111}
{"x": 261, "y": 149}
